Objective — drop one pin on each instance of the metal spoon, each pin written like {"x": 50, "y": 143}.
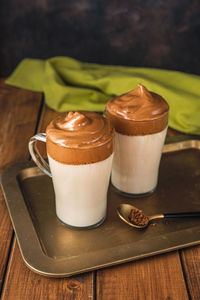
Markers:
{"x": 123, "y": 211}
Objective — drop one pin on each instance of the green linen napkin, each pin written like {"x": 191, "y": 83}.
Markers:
{"x": 69, "y": 84}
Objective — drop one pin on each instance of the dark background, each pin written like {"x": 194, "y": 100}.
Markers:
{"x": 149, "y": 33}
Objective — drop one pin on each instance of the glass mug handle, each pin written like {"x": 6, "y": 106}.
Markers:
{"x": 36, "y": 156}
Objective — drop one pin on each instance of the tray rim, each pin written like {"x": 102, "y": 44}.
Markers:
{"x": 45, "y": 265}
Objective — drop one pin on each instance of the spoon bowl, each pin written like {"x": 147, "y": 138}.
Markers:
{"x": 123, "y": 211}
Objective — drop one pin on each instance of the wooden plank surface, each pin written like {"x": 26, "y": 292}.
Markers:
{"x": 37, "y": 286}
{"x": 160, "y": 277}
{"x": 23, "y": 284}
{"x": 18, "y": 116}
{"x": 191, "y": 265}
{"x": 6, "y": 232}
{"x": 156, "y": 278}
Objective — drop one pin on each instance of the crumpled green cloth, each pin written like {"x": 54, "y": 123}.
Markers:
{"x": 69, "y": 84}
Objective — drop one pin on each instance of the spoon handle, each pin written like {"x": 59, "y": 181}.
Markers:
{"x": 182, "y": 215}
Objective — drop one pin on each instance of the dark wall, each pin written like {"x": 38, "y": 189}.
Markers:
{"x": 150, "y": 33}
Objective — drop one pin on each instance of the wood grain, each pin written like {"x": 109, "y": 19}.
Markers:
{"x": 18, "y": 117}
{"x": 173, "y": 132}
{"x": 155, "y": 278}
{"x": 191, "y": 264}
{"x": 37, "y": 286}
{"x": 5, "y": 236}
{"x": 19, "y": 113}
{"x": 23, "y": 284}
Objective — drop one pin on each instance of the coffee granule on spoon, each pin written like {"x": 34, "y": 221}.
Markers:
{"x": 137, "y": 217}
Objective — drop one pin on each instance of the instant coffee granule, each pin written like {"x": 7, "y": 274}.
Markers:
{"x": 137, "y": 217}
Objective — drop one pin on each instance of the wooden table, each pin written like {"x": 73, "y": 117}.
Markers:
{"x": 174, "y": 275}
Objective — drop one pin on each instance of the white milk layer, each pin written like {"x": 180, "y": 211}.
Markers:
{"x": 136, "y": 162}
{"x": 81, "y": 191}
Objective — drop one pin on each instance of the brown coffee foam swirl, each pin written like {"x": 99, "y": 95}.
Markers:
{"x": 139, "y": 112}
{"x": 80, "y": 138}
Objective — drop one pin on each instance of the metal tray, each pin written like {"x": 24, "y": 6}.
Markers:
{"x": 51, "y": 249}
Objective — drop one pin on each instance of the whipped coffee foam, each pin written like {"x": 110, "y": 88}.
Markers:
{"x": 80, "y": 138}
{"x": 138, "y": 112}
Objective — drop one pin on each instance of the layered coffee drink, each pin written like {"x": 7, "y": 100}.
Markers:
{"x": 80, "y": 153}
{"x": 140, "y": 118}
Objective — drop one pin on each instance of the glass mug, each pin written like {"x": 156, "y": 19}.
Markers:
{"x": 140, "y": 119}
{"x": 80, "y": 152}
